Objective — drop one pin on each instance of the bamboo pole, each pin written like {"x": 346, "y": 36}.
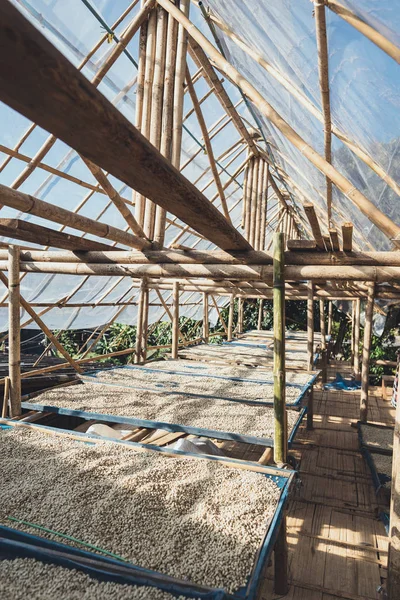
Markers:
{"x": 372, "y": 34}
{"x": 304, "y": 100}
{"x": 260, "y": 314}
{"x": 393, "y": 577}
{"x": 357, "y": 338}
{"x": 175, "y": 321}
{"x": 221, "y": 318}
{"x": 280, "y": 416}
{"x": 40, "y": 208}
{"x": 323, "y": 69}
{"x": 323, "y": 340}
{"x": 310, "y": 327}
{"x": 180, "y": 71}
{"x": 353, "y": 321}
{"x": 248, "y": 197}
{"x": 384, "y": 223}
{"x": 264, "y": 206}
{"x": 330, "y": 317}
{"x": 240, "y": 316}
{"x": 14, "y": 326}
{"x": 205, "y": 318}
{"x": 156, "y": 109}
{"x": 254, "y": 202}
{"x": 207, "y": 144}
{"x": 369, "y": 311}
{"x": 257, "y": 236}
{"x": 6, "y": 397}
{"x": 140, "y": 321}
{"x": 230, "y": 317}
{"x": 167, "y": 117}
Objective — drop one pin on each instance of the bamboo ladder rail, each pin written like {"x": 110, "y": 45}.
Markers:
{"x": 378, "y": 218}
{"x": 305, "y": 101}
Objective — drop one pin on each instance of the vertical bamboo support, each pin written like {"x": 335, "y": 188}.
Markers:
{"x": 14, "y": 328}
{"x": 230, "y": 317}
{"x": 254, "y": 201}
{"x": 281, "y": 584}
{"x": 249, "y": 197}
{"x": 310, "y": 326}
{"x": 357, "y": 338}
{"x": 264, "y": 207}
{"x": 245, "y": 189}
{"x": 206, "y": 328}
{"x": 149, "y": 54}
{"x": 175, "y": 321}
{"x": 393, "y": 578}
{"x": 260, "y": 314}
{"x": 180, "y": 71}
{"x": 280, "y": 417}
{"x": 156, "y": 110}
{"x": 323, "y": 339}
{"x": 330, "y": 316}
{"x": 257, "y": 235}
{"x": 167, "y": 118}
{"x": 140, "y": 321}
{"x": 138, "y": 198}
{"x": 145, "y": 325}
{"x": 353, "y": 328}
{"x": 240, "y": 315}
{"x": 369, "y": 311}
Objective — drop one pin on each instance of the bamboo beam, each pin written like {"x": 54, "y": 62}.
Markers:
{"x": 347, "y": 236}
{"x": 280, "y": 416}
{"x": 384, "y": 223}
{"x": 37, "y": 234}
{"x": 207, "y": 144}
{"x": 369, "y": 311}
{"x": 45, "y": 87}
{"x": 358, "y": 23}
{"x": 14, "y": 326}
{"x": 175, "y": 321}
{"x": 314, "y": 224}
{"x": 40, "y": 208}
{"x": 357, "y": 338}
{"x": 333, "y": 234}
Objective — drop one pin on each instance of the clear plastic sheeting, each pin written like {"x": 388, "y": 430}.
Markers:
{"x": 364, "y": 98}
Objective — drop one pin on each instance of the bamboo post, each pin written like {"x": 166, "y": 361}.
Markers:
{"x": 14, "y": 326}
{"x": 323, "y": 339}
{"x": 175, "y": 321}
{"x": 369, "y": 311}
{"x": 145, "y": 325}
{"x": 281, "y": 584}
{"x": 357, "y": 338}
{"x": 206, "y": 329}
{"x": 330, "y": 317}
{"x": 140, "y": 321}
{"x": 6, "y": 397}
{"x": 393, "y": 571}
{"x": 240, "y": 315}
{"x": 260, "y": 314}
{"x": 230, "y": 317}
{"x": 310, "y": 326}
{"x": 280, "y": 417}
{"x": 353, "y": 328}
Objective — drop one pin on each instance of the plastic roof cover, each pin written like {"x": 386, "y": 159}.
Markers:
{"x": 365, "y": 97}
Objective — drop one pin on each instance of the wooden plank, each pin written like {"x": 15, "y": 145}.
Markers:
{"x": 315, "y": 227}
{"x": 333, "y": 234}
{"x": 40, "y": 83}
{"x": 44, "y": 236}
{"x": 347, "y": 236}
{"x": 302, "y": 245}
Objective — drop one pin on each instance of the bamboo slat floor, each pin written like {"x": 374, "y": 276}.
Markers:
{"x": 337, "y": 544}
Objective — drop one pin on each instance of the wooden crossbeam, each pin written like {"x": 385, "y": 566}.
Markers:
{"x": 37, "y": 234}
{"x": 40, "y": 83}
